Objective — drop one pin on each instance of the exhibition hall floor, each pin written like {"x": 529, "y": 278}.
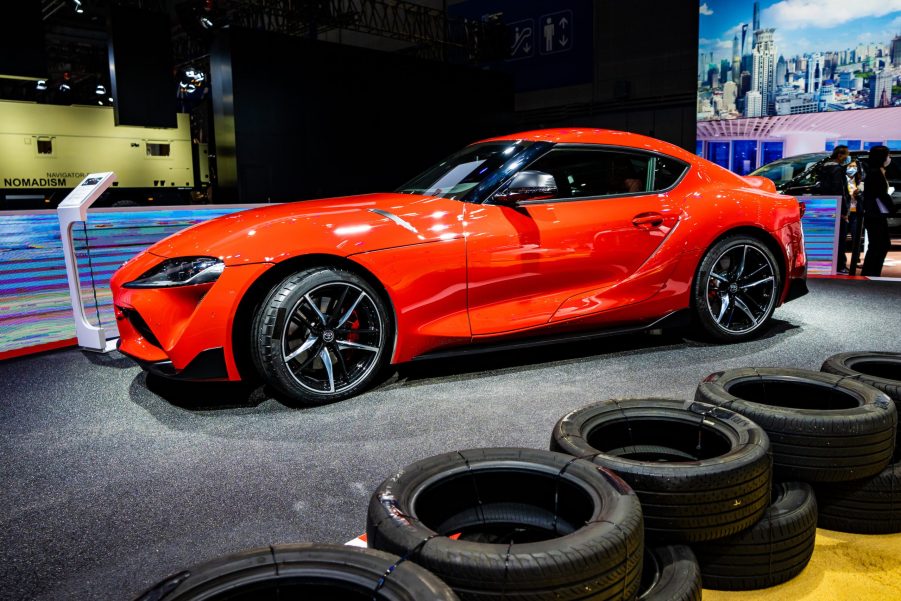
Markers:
{"x": 108, "y": 485}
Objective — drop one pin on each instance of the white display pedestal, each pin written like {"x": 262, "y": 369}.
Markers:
{"x": 74, "y": 209}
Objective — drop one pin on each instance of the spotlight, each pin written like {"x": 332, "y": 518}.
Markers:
{"x": 206, "y": 23}
{"x": 41, "y": 85}
{"x": 64, "y": 87}
{"x": 78, "y": 7}
{"x": 100, "y": 89}
{"x": 110, "y": 99}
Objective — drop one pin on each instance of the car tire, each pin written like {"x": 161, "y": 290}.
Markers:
{"x": 322, "y": 335}
{"x": 773, "y": 551}
{"x": 670, "y": 573}
{"x": 723, "y": 490}
{"x": 870, "y": 506}
{"x": 822, "y": 427}
{"x": 731, "y": 296}
{"x": 302, "y": 571}
{"x": 879, "y": 370}
{"x": 513, "y": 524}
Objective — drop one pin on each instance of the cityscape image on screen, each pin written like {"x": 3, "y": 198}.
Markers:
{"x": 785, "y": 78}
{"x": 790, "y": 57}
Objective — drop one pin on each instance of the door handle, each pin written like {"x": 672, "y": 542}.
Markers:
{"x": 650, "y": 219}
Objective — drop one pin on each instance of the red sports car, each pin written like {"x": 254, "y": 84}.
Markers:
{"x": 512, "y": 241}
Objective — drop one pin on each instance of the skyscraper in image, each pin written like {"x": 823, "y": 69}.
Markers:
{"x": 736, "y": 60}
{"x": 814, "y": 77}
{"x": 781, "y": 71}
{"x": 763, "y": 71}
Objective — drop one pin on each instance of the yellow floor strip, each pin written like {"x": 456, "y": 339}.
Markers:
{"x": 844, "y": 567}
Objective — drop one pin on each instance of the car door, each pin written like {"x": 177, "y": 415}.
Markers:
{"x": 540, "y": 260}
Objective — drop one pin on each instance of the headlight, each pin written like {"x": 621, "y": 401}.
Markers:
{"x": 183, "y": 271}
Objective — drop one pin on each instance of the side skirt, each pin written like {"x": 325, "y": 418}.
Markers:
{"x": 674, "y": 319}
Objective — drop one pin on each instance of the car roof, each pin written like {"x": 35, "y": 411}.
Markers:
{"x": 588, "y": 135}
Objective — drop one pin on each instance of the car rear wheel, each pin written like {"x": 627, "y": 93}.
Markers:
{"x": 736, "y": 289}
{"x": 322, "y": 335}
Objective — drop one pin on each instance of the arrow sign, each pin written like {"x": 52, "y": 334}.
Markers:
{"x": 564, "y": 40}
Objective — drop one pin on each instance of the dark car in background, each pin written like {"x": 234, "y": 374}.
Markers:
{"x": 800, "y": 176}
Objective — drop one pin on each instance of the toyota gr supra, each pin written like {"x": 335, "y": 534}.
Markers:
{"x": 512, "y": 241}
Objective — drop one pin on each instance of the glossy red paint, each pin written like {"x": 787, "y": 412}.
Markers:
{"x": 457, "y": 273}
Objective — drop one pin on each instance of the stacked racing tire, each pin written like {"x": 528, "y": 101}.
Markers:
{"x": 823, "y": 427}
{"x": 701, "y": 472}
{"x": 871, "y": 505}
{"x": 513, "y": 524}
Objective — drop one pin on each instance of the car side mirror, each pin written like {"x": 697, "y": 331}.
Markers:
{"x": 527, "y": 185}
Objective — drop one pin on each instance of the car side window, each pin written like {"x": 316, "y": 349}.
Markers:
{"x": 586, "y": 172}
{"x": 667, "y": 171}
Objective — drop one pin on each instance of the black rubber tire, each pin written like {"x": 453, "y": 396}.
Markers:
{"x": 302, "y": 571}
{"x": 822, "y": 427}
{"x": 871, "y": 506}
{"x": 879, "y": 370}
{"x": 685, "y": 501}
{"x": 670, "y": 573}
{"x": 512, "y": 490}
{"x": 774, "y": 551}
{"x": 702, "y": 317}
{"x": 269, "y": 322}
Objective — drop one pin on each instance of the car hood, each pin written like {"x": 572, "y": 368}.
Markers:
{"x": 338, "y": 226}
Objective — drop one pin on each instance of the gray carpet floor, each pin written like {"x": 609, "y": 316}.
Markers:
{"x": 110, "y": 482}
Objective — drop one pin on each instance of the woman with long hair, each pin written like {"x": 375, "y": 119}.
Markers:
{"x": 878, "y": 205}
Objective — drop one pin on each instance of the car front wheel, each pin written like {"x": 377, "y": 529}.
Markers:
{"x": 322, "y": 335}
{"x": 736, "y": 289}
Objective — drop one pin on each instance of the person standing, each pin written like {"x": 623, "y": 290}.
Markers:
{"x": 877, "y": 205}
{"x": 855, "y": 174}
{"x": 834, "y": 181}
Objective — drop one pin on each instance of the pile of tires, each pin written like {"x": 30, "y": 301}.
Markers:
{"x": 302, "y": 571}
{"x": 871, "y": 505}
{"x": 636, "y": 499}
{"x": 704, "y": 476}
{"x": 835, "y": 430}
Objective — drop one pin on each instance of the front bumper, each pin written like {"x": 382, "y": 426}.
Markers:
{"x": 207, "y": 365}
{"x": 182, "y": 332}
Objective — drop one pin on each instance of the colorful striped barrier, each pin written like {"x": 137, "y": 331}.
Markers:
{"x": 35, "y": 309}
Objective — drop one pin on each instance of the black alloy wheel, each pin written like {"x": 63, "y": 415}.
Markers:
{"x": 322, "y": 335}
{"x": 737, "y": 288}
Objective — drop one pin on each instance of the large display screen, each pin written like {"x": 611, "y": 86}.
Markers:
{"x": 779, "y": 78}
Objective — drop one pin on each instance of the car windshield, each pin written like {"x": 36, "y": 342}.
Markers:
{"x": 786, "y": 169}
{"x": 457, "y": 175}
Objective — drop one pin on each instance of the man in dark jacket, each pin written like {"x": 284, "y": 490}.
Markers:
{"x": 834, "y": 182}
